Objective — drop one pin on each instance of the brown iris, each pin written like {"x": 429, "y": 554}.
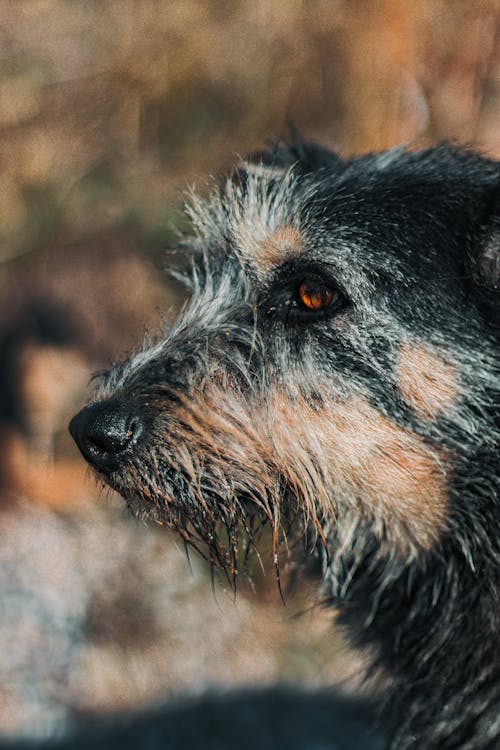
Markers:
{"x": 315, "y": 295}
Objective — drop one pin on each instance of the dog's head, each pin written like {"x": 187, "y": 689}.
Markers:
{"x": 336, "y": 358}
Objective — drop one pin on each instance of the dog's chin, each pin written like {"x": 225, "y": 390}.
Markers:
{"x": 119, "y": 483}
{"x": 110, "y": 481}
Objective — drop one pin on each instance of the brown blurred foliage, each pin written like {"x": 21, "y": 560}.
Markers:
{"x": 108, "y": 108}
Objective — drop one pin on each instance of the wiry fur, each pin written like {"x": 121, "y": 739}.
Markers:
{"x": 372, "y": 427}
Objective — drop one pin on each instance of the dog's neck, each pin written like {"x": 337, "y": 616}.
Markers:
{"x": 435, "y": 628}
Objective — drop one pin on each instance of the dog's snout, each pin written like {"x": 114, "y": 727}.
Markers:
{"x": 105, "y": 432}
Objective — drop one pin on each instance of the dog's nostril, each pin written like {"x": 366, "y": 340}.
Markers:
{"x": 103, "y": 432}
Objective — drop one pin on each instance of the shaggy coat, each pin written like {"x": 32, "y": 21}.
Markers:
{"x": 335, "y": 373}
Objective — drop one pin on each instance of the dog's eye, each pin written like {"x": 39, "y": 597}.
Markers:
{"x": 315, "y": 295}
{"x": 306, "y": 297}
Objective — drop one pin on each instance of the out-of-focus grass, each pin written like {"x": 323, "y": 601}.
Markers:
{"x": 108, "y": 109}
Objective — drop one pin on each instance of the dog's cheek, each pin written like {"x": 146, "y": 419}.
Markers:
{"x": 345, "y": 454}
{"x": 427, "y": 383}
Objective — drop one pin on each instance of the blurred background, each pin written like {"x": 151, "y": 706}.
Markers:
{"x": 109, "y": 111}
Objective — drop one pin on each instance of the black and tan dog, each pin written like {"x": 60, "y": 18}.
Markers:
{"x": 335, "y": 372}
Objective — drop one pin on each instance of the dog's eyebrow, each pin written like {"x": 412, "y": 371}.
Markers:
{"x": 265, "y": 217}
{"x": 260, "y": 216}
{"x": 280, "y": 246}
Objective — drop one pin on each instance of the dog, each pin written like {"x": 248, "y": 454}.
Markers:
{"x": 334, "y": 374}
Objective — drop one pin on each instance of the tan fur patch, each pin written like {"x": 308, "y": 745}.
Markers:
{"x": 427, "y": 383}
{"x": 348, "y": 453}
{"x": 335, "y": 456}
{"x": 281, "y": 245}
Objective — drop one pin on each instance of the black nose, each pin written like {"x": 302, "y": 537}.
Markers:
{"x": 105, "y": 432}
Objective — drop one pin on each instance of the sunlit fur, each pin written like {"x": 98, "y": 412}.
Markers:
{"x": 371, "y": 429}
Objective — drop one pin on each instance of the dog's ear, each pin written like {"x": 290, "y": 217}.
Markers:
{"x": 484, "y": 262}
{"x": 304, "y": 157}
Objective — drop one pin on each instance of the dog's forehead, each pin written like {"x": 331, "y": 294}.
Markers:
{"x": 377, "y": 208}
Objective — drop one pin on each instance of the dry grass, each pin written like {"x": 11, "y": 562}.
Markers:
{"x": 107, "y": 109}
